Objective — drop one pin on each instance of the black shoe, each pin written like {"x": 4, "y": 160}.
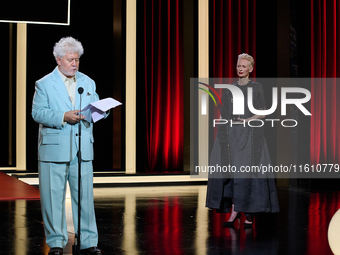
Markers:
{"x": 92, "y": 251}
{"x": 56, "y": 251}
{"x": 230, "y": 224}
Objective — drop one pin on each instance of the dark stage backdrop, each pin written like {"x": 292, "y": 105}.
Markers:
{"x": 8, "y": 94}
{"x": 325, "y": 53}
{"x": 93, "y": 25}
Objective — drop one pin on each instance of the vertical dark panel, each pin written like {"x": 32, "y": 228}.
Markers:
{"x": 283, "y": 39}
{"x": 8, "y": 94}
{"x": 12, "y": 95}
{"x": 266, "y": 52}
{"x": 119, "y": 17}
{"x": 303, "y": 41}
{"x": 266, "y": 38}
{"x": 303, "y": 37}
{"x": 190, "y": 68}
{"x": 141, "y": 152}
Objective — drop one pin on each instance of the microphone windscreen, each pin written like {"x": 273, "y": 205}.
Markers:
{"x": 80, "y": 90}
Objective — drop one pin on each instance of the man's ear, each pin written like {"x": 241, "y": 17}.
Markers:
{"x": 58, "y": 61}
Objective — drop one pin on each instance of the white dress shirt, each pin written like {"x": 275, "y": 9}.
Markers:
{"x": 71, "y": 85}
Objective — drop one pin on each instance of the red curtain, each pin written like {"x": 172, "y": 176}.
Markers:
{"x": 233, "y": 33}
{"x": 325, "y": 120}
{"x": 163, "y": 84}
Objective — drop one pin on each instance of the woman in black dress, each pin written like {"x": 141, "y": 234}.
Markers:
{"x": 240, "y": 146}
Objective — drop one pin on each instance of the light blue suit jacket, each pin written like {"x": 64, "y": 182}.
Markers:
{"x": 58, "y": 143}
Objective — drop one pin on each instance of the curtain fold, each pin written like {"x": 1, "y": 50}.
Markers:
{"x": 325, "y": 120}
{"x": 232, "y": 32}
{"x": 162, "y": 76}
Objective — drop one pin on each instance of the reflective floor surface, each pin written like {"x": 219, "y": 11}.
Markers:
{"x": 173, "y": 220}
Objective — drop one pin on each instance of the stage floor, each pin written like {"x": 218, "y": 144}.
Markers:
{"x": 173, "y": 220}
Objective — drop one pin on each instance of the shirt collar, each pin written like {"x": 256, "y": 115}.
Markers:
{"x": 64, "y": 78}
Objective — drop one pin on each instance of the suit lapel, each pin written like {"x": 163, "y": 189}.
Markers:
{"x": 60, "y": 88}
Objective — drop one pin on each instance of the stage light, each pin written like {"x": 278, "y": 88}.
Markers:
{"x": 334, "y": 233}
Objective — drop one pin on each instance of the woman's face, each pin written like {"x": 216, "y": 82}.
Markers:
{"x": 243, "y": 68}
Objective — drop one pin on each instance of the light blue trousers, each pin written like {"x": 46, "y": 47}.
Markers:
{"x": 53, "y": 178}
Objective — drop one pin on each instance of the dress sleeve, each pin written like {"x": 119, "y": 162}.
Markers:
{"x": 259, "y": 101}
{"x": 226, "y": 107}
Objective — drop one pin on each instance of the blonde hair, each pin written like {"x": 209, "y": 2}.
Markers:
{"x": 246, "y": 57}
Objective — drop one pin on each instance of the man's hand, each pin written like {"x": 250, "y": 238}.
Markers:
{"x": 72, "y": 117}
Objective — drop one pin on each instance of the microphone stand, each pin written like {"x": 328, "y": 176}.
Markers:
{"x": 76, "y": 246}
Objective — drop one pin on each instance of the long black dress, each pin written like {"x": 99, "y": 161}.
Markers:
{"x": 241, "y": 146}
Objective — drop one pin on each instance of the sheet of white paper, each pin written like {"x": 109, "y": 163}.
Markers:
{"x": 99, "y": 108}
{"x": 97, "y": 115}
{"x": 106, "y": 104}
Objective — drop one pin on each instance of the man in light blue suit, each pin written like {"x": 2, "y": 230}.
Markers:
{"x": 56, "y": 105}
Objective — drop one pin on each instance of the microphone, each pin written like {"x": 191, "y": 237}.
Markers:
{"x": 76, "y": 247}
{"x": 80, "y": 90}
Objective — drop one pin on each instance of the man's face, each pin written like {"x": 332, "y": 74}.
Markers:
{"x": 69, "y": 64}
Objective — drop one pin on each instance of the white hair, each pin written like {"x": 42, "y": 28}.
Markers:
{"x": 246, "y": 57}
{"x": 67, "y": 44}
